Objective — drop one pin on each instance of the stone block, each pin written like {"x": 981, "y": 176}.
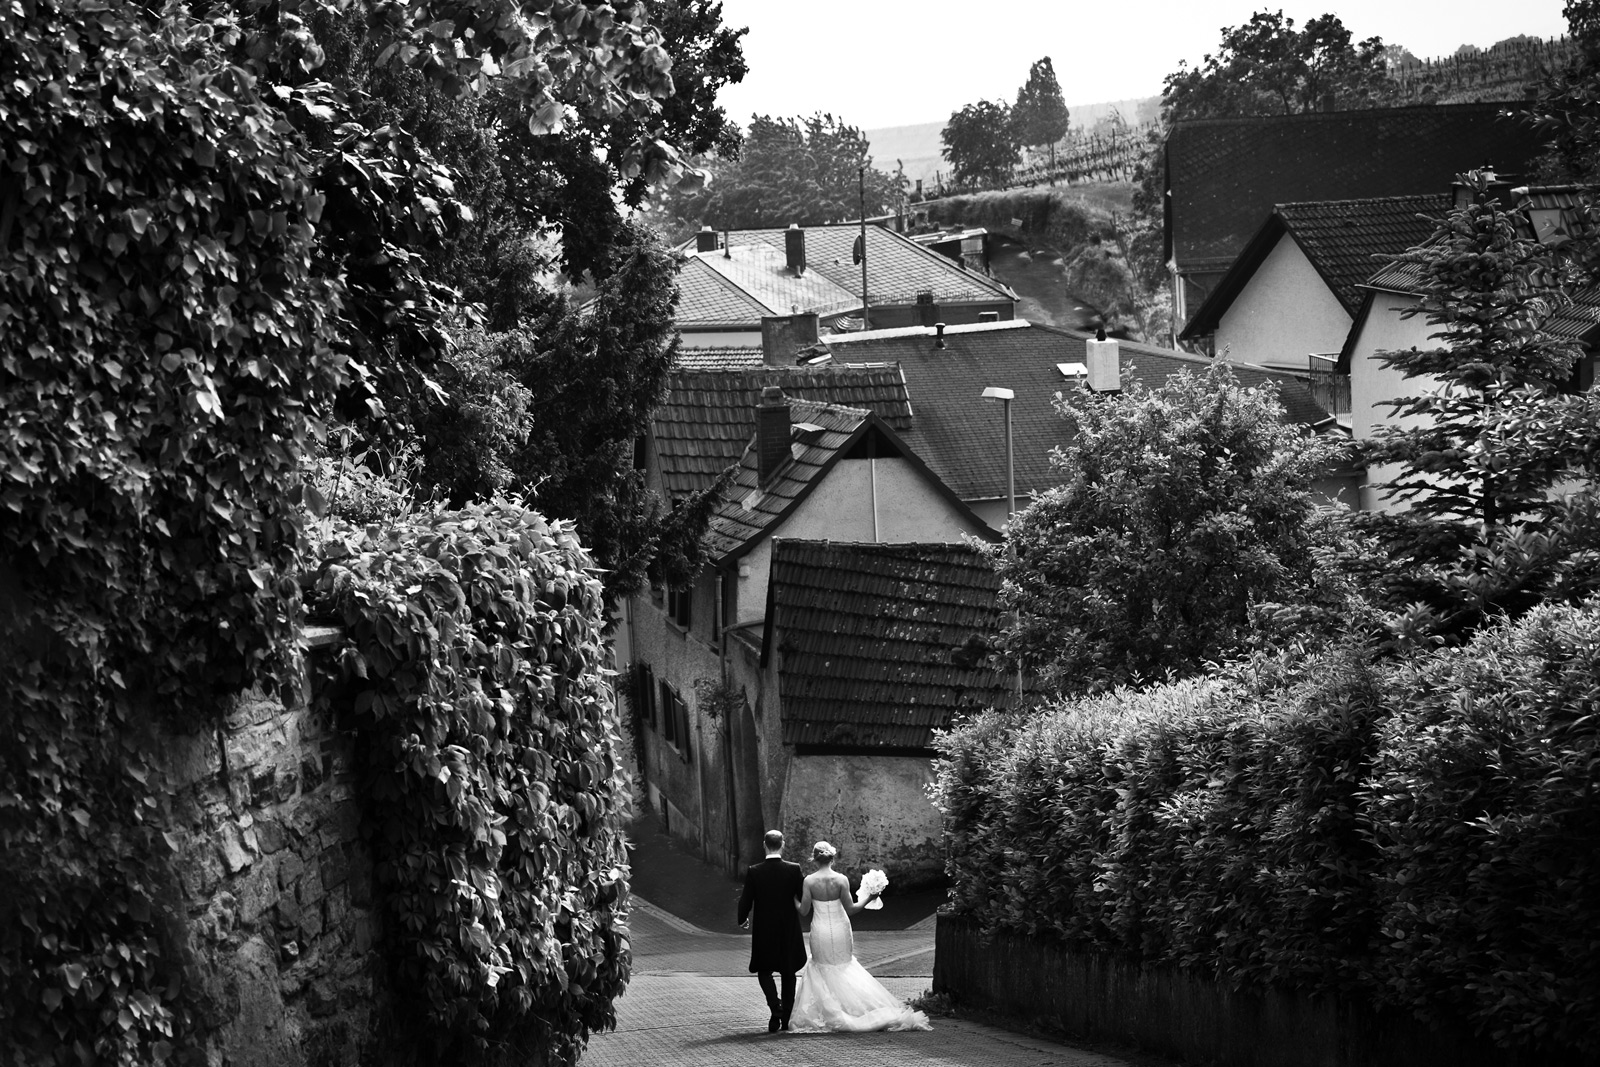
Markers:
{"x": 311, "y": 772}
{"x": 311, "y": 925}
{"x": 336, "y": 911}
{"x": 231, "y": 848}
{"x": 333, "y": 866}
{"x": 290, "y": 868}
{"x": 288, "y": 784}
{"x": 321, "y": 1000}
{"x": 270, "y": 835}
{"x": 200, "y": 873}
{"x": 288, "y": 913}
{"x": 361, "y": 934}
{"x": 347, "y": 821}
{"x": 259, "y": 893}
{"x": 311, "y": 890}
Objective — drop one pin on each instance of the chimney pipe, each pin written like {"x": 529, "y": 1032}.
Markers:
{"x": 772, "y": 432}
{"x": 938, "y": 337}
{"x": 794, "y": 248}
{"x": 1103, "y": 358}
{"x": 784, "y": 335}
{"x": 705, "y": 240}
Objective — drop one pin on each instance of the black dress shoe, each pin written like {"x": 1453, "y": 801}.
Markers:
{"x": 785, "y": 1024}
{"x": 773, "y": 1024}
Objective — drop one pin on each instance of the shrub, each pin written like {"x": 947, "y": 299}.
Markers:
{"x": 1421, "y": 834}
{"x": 471, "y": 663}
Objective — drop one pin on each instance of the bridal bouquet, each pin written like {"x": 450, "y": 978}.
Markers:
{"x": 874, "y": 881}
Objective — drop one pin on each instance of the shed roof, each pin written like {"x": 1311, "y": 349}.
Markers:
{"x": 873, "y": 640}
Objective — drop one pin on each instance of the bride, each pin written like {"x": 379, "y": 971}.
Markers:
{"x": 836, "y": 992}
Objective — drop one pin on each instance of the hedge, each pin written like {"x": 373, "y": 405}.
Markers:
{"x": 1419, "y": 834}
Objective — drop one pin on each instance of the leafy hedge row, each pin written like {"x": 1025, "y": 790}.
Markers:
{"x": 472, "y": 663}
{"x": 1423, "y": 835}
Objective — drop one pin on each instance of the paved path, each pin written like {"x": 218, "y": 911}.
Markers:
{"x": 691, "y": 1002}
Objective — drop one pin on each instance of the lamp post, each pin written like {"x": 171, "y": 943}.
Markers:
{"x": 1006, "y": 396}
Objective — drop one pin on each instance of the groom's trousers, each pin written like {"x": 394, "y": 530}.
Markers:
{"x": 770, "y": 988}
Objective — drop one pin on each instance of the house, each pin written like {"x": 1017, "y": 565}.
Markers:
{"x": 713, "y": 759}
{"x": 731, "y": 280}
{"x": 1288, "y": 300}
{"x": 878, "y": 441}
{"x": 1388, "y": 320}
{"x": 1223, "y": 176}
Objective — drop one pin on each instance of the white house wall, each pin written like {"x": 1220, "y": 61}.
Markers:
{"x": 1283, "y": 313}
{"x": 1371, "y": 382}
{"x": 840, "y": 508}
{"x": 873, "y": 808}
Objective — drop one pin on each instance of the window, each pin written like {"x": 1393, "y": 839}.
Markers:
{"x": 669, "y": 722}
{"x": 645, "y": 693}
{"x": 674, "y": 720}
{"x": 680, "y": 712}
{"x": 679, "y": 602}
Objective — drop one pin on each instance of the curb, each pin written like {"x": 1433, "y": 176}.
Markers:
{"x": 638, "y": 903}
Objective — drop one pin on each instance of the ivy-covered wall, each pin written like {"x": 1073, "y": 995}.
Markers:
{"x": 274, "y": 886}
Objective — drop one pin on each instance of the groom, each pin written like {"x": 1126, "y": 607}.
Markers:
{"x": 772, "y": 887}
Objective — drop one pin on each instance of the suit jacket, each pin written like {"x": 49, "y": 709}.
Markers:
{"x": 771, "y": 887}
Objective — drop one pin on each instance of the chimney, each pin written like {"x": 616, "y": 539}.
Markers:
{"x": 938, "y": 337}
{"x": 1105, "y": 368}
{"x": 772, "y": 432}
{"x": 705, "y": 240}
{"x": 794, "y": 248}
{"x": 784, "y": 335}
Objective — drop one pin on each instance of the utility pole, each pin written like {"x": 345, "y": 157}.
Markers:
{"x": 861, "y": 185}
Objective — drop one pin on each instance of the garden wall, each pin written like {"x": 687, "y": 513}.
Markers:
{"x": 1171, "y": 1013}
{"x": 276, "y": 887}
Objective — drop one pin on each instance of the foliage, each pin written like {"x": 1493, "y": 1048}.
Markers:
{"x": 804, "y": 171}
{"x": 1567, "y": 108}
{"x": 980, "y": 143}
{"x": 471, "y": 659}
{"x": 1040, "y": 115}
{"x": 1484, "y": 449}
{"x": 1418, "y": 835}
{"x": 552, "y": 411}
{"x": 1182, "y": 506}
{"x": 1267, "y": 67}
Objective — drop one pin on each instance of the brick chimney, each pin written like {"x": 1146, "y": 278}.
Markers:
{"x": 772, "y": 432}
{"x": 1104, "y": 361}
{"x": 784, "y": 335}
{"x": 794, "y": 248}
{"x": 705, "y": 240}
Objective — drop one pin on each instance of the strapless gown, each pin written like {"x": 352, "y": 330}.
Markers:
{"x": 835, "y": 992}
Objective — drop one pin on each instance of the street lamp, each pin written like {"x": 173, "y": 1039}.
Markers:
{"x": 1006, "y": 396}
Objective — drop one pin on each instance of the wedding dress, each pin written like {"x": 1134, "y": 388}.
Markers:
{"x": 835, "y": 992}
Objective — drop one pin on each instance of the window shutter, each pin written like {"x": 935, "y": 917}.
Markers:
{"x": 668, "y": 718}
{"x": 681, "y": 713}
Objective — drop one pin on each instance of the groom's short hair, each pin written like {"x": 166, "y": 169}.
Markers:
{"x": 773, "y": 839}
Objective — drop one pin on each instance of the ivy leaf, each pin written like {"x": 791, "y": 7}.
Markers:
{"x": 73, "y": 973}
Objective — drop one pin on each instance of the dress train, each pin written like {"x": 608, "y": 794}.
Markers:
{"x": 835, "y": 993}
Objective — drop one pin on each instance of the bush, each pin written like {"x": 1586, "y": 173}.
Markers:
{"x": 472, "y": 664}
{"x": 1420, "y": 834}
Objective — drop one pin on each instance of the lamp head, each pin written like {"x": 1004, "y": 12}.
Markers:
{"x": 996, "y": 392}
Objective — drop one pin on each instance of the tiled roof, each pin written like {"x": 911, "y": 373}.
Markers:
{"x": 709, "y": 417}
{"x": 1342, "y": 240}
{"x": 1577, "y": 320}
{"x": 706, "y": 298}
{"x": 754, "y": 264}
{"x": 868, "y": 637}
{"x": 962, "y": 438}
{"x": 739, "y": 357}
{"x": 1225, "y": 175}
{"x": 750, "y": 509}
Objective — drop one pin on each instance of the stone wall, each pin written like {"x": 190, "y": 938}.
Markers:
{"x": 1188, "y": 1016}
{"x": 276, "y": 887}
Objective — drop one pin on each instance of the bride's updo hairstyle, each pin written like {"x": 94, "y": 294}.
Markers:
{"x": 823, "y": 852}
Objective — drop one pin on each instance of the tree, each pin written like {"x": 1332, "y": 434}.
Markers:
{"x": 786, "y": 171}
{"x": 1040, "y": 114}
{"x": 1568, "y": 105}
{"x": 1482, "y": 452}
{"x": 1267, "y": 67}
{"x": 980, "y": 144}
{"x": 1184, "y": 506}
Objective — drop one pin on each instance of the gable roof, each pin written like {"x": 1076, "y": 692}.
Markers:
{"x": 962, "y": 438}
{"x": 708, "y": 417}
{"x": 867, "y": 635}
{"x": 1224, "y": 175}
{"x": 1340, "y": 238}
{"x": 754, "y": 264}
{"x": 751, "y": 510}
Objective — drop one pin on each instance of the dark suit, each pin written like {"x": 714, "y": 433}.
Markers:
{"x": 771, "y": 887}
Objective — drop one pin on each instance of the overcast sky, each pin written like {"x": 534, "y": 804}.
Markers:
{"x": 879, "y": 63}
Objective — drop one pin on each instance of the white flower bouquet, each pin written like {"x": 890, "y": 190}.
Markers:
{"x": 874, "y": 881}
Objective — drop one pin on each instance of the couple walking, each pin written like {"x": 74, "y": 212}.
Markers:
{"x": 832, "y": 991}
